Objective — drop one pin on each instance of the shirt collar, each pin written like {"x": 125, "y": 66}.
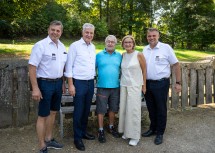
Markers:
{"x": 83, "y": 42}
{"x": 50, "y": 41}
{"x": 156, "y": 47}
{"x": 105, "y": 51}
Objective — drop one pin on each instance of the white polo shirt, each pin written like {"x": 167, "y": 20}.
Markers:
{"x": 48, "y": 58}
{"x": 158, "y": 61}
{"x": 81, "y": 61}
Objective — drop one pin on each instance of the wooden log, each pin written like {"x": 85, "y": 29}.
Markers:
{"x": 201, "y": 83}
{"x": 184, "y": 92}
{"x": 214, "y": 83}
{"x": 193, "y": 88}
{"x": 208, "y": 85}
{"x": 23, "y": 96}
{"x": 6, "y": 94}
{"x": 174, "y": 96}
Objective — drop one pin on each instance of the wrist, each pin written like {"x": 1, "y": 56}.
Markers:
{"x": 178, "y": 82}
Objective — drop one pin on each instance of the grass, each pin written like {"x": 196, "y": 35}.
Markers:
{"x": 23, "y": 47}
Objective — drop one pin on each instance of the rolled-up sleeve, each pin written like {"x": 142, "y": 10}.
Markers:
{"x": 36, "y": 55}
{"x": 70, "y": 61}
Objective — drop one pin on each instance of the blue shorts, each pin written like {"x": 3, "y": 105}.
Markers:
{"x": 51, "y": 92}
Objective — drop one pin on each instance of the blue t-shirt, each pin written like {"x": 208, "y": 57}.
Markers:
{"x": 108, "y": 69}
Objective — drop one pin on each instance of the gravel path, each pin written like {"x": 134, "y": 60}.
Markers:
{"x": 188, "y": 131}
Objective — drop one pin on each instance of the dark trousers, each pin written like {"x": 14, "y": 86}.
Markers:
{"x": 156, "y": 100}
{"x": 82, "y": 102}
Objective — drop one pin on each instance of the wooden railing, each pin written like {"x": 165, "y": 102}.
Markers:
{"x": 17, "y": 107}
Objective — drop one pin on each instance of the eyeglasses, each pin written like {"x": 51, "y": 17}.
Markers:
{"x": 110, "y": 42}
{"x": 128, "y": 42}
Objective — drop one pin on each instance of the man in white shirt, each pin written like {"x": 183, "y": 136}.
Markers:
{"x": 159, "y": 56}
{"x": 46, "y": 66}
{"x": 80, "y": 71}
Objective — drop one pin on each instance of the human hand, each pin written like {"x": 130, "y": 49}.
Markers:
{"x": 177, "y": 88}
{"x": 144, "y": 89}
{"x": 36, "y": 94}
{"x": 71, "y": 90}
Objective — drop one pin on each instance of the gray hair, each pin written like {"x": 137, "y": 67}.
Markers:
{"x": 88, "y": 25}
{"x": 152, "y": 29}
{"x": 56, "y": 22}
{"x": 111, "y": 36}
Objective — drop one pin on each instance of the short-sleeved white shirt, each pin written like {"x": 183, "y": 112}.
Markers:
{"x": 81, "y": 61}
{"x": 158, "y": 61}
{"x": 49, "y": 58}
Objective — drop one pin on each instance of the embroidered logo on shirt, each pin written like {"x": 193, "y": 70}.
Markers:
{"x": 53, "y": 56}
{"x": 157, "y": 58}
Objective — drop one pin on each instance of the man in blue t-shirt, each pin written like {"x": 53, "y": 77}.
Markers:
{"x": 108, "y": 64}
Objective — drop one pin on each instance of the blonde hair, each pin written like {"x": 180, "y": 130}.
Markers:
{"x": 132, "y": 38}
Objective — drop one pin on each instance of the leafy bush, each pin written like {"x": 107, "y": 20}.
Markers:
{"x": 101, "y": 30}
{"x": 211, "y": 48}
{"x": 72, "y": 28}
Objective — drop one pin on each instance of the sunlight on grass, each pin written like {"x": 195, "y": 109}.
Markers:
{"x": 12, "y": 47}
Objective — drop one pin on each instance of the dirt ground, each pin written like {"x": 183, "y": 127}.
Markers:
{"x": 188, "y": 131}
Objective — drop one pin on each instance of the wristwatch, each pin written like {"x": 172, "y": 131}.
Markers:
{"x": 178, "y": 82}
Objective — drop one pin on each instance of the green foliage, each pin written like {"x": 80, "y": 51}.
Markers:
{"x": 101, "y": 30}
{"x": 73, "y": 27}
{"x": 182, "y": 23}
{"x": 211, "y": 48}
{"x": 41, "y": 18}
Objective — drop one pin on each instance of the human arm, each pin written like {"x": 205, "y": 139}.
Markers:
{"x": 71, "y": 87}
{"x": 36, "y": 94}
{"x": 177, "y": 70}
{"x": 69, "y": 69}
{"x": 142, "y": 62}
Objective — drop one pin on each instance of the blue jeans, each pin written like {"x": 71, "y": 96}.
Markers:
{"x": 156, "y": 100}
{"x": 82, "y": 103}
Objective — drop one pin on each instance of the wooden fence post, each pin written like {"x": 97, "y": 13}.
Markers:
{"x": 193, "y": 87}
{"x": 201, "y": 83}
{"x": 208, "y": 85}
{"x": 23, "y": 99}
{"x": 184, "y": 92}
{"x": 214, "y": 83}
{"x": 6, "y": 94}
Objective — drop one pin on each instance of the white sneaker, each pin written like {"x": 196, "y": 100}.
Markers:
{"x": 124, "y": 137}
{"x": 133, "y": 142}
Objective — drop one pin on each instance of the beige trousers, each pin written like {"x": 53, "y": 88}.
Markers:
{"x": 130, "y": 112}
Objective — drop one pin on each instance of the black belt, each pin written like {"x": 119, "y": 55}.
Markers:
{"x": 47, "y": 79}
{"x": 83, "y": 80}
{"x": 162, "y": 79}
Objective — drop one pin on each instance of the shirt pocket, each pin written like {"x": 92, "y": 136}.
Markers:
{"x": 47, "y": 57}
{"x": 161, "y": 62}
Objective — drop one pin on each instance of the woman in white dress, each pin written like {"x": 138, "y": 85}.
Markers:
{"x": 132, "y": 84}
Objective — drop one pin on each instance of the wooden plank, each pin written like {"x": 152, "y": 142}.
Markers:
{"x": 193, "y": 88}
{"x": 6, "y": 94}
{"x": 23, "y": 96}
{"x": 184, "y": 92}
{"x": 174, "y": 96}
{"x": 201, "y": 83}
{"x": 214, "y": 84}
{"x": 208, "y": 85}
